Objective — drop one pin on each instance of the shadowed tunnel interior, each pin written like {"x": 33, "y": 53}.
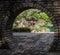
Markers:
{"x": 9, "y": 12}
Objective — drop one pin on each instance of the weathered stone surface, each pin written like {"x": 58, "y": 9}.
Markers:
{"x": 30, "y": 43}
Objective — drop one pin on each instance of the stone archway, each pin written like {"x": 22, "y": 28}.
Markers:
{"x": 14, "y": 11}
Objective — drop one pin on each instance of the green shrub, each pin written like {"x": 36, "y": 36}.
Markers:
{"x": 25, "y": 29}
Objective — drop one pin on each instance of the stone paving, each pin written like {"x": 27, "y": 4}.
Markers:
{"x": 7, "y": 52}
{"x": 29, "y": 44}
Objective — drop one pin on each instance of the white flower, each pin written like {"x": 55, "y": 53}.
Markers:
{"x": 47, "y": 30}
{"x": 33, "y": 31}
{"x": 17, "y": 21}
{"x": 43, "y": 30}
{"x": 14, "y": 24}
{"x": 41, "y": 23}
{"x": 37, "y": 26}
{"x": 49, "y": 24}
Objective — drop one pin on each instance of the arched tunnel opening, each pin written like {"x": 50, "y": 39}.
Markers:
{"x": 36, "y": 24}
{"x": 33, "y": 21}
{"x": 30, "y": 30}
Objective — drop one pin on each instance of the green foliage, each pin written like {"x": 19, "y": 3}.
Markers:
{"x": 42, "y": 17}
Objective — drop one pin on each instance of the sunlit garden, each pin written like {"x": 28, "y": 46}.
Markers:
{"x": 34, "y": 21}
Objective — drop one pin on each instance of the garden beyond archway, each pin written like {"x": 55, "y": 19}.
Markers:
{"x": 9, "y": 18}
{"x": 33, "y": 20}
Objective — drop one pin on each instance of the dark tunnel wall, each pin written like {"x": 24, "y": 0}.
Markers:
{"x": 10, "y": 9}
